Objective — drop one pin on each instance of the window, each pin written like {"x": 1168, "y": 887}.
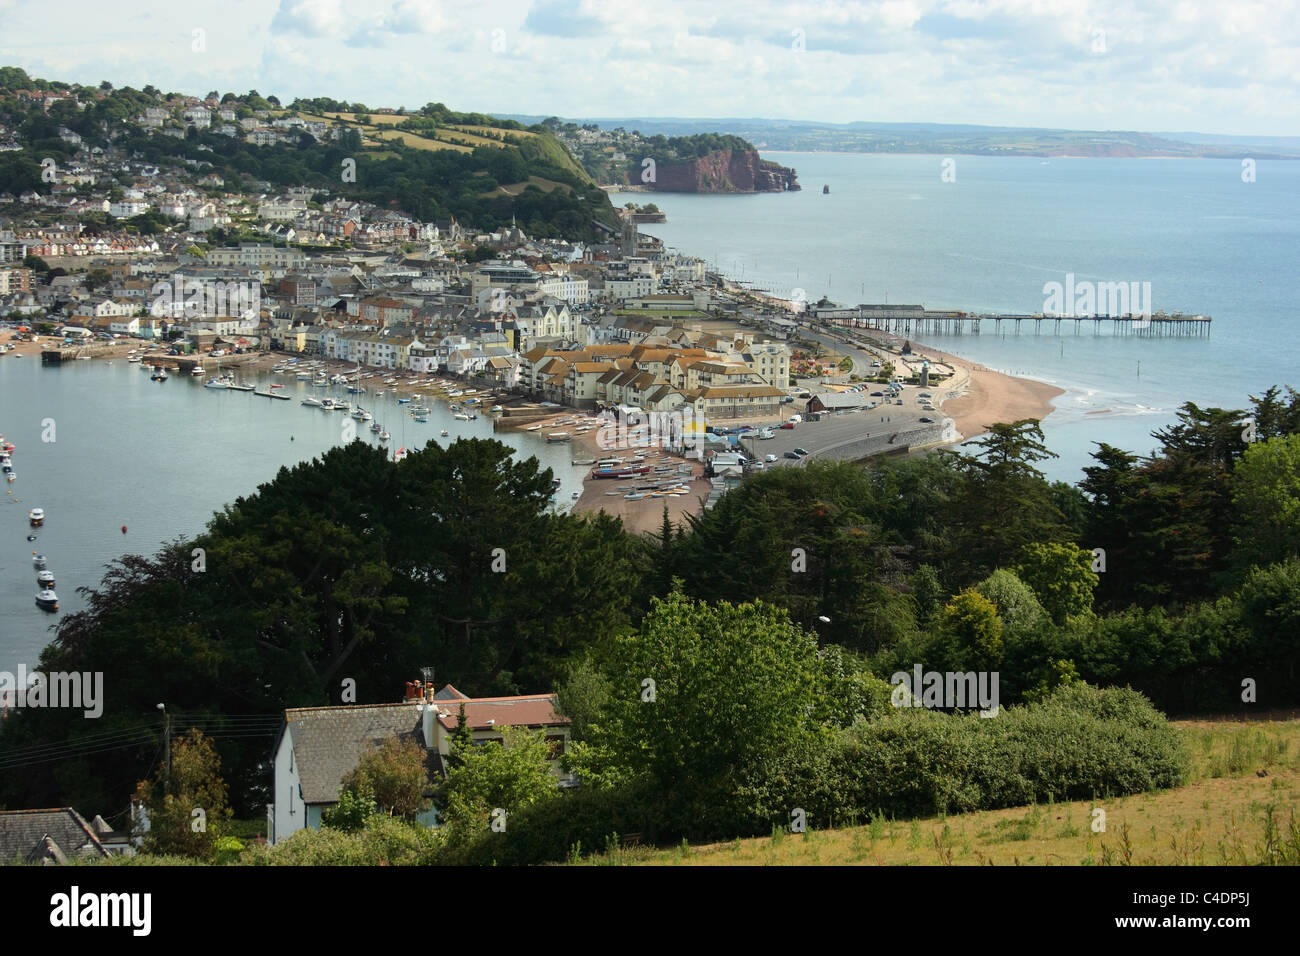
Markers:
{"x": 555, "y": 743}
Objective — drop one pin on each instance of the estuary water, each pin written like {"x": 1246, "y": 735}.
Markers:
{"x": 161, "y": 458}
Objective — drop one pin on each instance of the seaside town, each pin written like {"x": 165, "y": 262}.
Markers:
{"x": 548, "y": 336}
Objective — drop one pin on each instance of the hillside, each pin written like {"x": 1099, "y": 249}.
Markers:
{"x": 429, "y": 163}
{"x": 940, "y": 138}
{"x": 1237, "y": 810}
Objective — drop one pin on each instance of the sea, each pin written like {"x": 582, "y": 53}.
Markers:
{"x": 982, "y": 234}
{"x": 986, "y": 234}
{"x": 102, "y": 448}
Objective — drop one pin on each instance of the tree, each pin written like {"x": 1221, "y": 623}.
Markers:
{"x": 1015, "y": 601}
{"x": 971, "y": 622}
{"x": 510, "y": 776}
{"x": 704, "y": 698}
{"x": 394, "y": 775}
{"x": 354, "y": 808}
{"x": 1266, "y": 494}
{"x": 186, "y": 801}
{"x": 1062, "y": 577}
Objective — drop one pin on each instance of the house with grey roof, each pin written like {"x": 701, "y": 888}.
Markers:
{"x": 49, "y": 837}
{"x": 318, "y": 746}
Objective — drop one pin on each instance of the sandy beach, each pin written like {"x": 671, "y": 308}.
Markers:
{"x": 987, "y": 397}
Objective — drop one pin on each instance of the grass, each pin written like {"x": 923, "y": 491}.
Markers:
{"x": 420, "y": 142}
{"x": 1239, "y": 808}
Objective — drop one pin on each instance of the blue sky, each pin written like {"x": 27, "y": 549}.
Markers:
{"x": 1215, "y": 67}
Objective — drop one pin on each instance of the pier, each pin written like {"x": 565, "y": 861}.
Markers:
{"x": 915, "y": 320}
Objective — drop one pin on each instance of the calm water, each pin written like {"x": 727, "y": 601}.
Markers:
{"x": 160, "y": 459}
{"x": 892, "y": 230}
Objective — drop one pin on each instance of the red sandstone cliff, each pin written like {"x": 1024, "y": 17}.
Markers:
{"x": 725, "y": 171}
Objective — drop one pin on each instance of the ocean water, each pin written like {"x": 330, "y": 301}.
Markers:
{"x": 160, "y": 458}
{"x": 893, "y": 230}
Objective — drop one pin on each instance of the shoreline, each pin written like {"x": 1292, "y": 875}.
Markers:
{"x": 984, "y": 396}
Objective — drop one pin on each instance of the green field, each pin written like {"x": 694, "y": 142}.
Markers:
{"x": 1239, "y": 808}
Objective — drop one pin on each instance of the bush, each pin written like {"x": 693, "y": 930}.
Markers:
{"x": 1080, "y": 742}
{"x": 383, "y": 841}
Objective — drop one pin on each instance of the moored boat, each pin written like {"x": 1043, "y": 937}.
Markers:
{"x": 37, "y": 517}
{"x": 45, "y": 579}
{"x": 313, "y": 402}
{"x": 38, "y": 561}
{"x": 47, "y": 600}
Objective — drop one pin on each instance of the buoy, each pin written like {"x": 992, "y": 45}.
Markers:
{"x": 290, "y": 438}
{"x": 124, "y": 529}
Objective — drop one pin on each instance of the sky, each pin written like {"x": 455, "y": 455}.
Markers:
{"x": 1230, "y": 67}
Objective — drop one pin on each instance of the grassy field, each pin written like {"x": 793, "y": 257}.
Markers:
{"x": 420, "y": 142}
{"x": 1239, "y": 808}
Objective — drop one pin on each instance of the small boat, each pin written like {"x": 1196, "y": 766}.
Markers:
{"x": 327, "y": 404}
{"x": 304, "y": 376}
{"x": 461, "y": 417}
{"x": 634, "y": 496}
{"x": 376, "y": 427}
{"x": 11, "y": 476}
{"x": 320, "y": 383}
{"x": 47, "y": 600}
{"x": 557, "y": 437}
{"x": 443, "y": 433}
{"x": 277, "y": 386}
{"x": 403, "y": 401}
{"x": 532, "y": 428}
{"x": 358, "y": 414}
{"x": 216, "y": 383}
{"x": 826, "y": 190}
{"x": 159, "y": 375}
{"x": 314, "y": 402}
{"x": 384, "y": 436}
{"x": 198, "y": 370}
{"x": 421, "y": 418}
{"x": 38, "y": 561}
{"x": 36, "y": 516}
{"x": 366, "y": 416}
{"x": 577, "y": 494}
{"x": 45, "y": 579}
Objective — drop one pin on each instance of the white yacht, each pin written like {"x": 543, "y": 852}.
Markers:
{"x": 47, "y": 600}
{"x": 37, "y": 517}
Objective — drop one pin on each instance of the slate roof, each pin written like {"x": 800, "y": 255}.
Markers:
{"x": 329, "y": 741}
{"x": 46, "y": 836}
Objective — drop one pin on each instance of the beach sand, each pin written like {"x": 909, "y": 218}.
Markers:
{"x": 986, "y": 397}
